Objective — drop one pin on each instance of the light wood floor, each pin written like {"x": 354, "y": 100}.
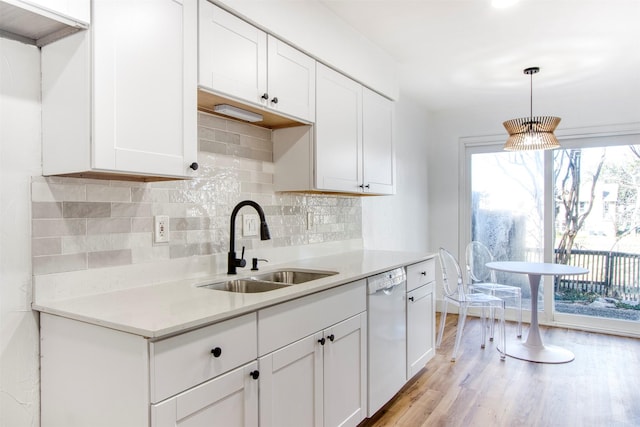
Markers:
{"x": 601, "y": 387}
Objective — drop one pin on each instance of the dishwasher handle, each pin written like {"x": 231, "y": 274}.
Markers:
{"x": 386, "y": 281}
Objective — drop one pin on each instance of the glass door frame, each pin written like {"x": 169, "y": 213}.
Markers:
{"x": 626, "y": 134}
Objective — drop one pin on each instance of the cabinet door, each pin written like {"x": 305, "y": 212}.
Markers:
{"x": 291, "y": 81}
{"x": 230, "y": 400}
{"x": 232, "y": 56}
{"x": 291, "y": 385}
{"x": 345, "y": 372}
{"x": 338, "y": 143}
{"x": 420, "y": 328}
{"x": 144, "y": 86}
{"x": 378, "y": 148}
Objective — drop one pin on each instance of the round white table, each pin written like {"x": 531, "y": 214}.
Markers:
{"x": 533, "y": 349}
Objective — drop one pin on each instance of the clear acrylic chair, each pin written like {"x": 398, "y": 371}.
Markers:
{"x": 482, "y": 279}
{"x": 457, "y": 293}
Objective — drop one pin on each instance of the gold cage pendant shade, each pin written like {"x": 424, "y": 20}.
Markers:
{"x": 531, "y": 133}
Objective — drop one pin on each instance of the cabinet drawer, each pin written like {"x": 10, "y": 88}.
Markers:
{"x": 185, "y": 360}
{"x": 288, "y": 322}
{"x": 421, "y": 273}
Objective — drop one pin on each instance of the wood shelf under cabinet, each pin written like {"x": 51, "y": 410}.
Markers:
{"x": 207, "y": 100}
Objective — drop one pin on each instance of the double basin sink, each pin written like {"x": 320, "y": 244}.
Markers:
{"x": 268, "y": 281}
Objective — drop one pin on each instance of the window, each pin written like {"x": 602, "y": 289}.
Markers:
{"x": 578, "y": 205}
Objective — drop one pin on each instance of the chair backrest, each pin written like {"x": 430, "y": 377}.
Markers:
{"x": 453, "y": 283}
{"x": 477, "y": 256}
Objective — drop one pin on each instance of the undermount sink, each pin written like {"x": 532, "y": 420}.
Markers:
{"x": 293, "y": 277}
{"x": 270, "y": 281}
{"x": 244, "y": 286}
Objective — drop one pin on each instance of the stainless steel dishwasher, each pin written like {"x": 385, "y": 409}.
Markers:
{"x": 387, "y": 343}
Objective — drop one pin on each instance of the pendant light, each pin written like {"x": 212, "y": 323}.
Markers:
{"x": 531, "y": 133}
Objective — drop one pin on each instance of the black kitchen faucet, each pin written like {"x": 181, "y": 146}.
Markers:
{"x": 234, "y": 262}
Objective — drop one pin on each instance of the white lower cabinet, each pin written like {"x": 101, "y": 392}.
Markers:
{"x": 421, "y": 299}
{"x": 319, "y": 380}
{"x": 97, "y": 376}
{"x": 229, "y": 400}
{"x": 302, "y": 362}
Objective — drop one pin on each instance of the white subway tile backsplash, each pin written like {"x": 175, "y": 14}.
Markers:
{"x": 47, "y": 210}
{"x": 82, "y": 224}
{"x": 46, "y": 246}
{"x": 59, "y": 263}
{"x": 58, "y": 227}
{"x": 109, "y": 258}
{"x": 42, "y": 191}
{"x": 86, "y": 210}
{"x": 108, "y": 225}
{"x": 108, "y": 193}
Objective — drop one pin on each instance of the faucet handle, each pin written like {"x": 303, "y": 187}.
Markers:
{"x": 254, "y": 263}
{"x": 241, "y": 262}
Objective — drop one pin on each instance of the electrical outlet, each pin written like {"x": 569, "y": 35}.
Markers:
{"x": 250, "y": 224}
{"x": 310, "y": 220}
{"x": 161, "y": 229}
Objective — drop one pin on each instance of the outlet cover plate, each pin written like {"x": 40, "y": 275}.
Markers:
{"x": 250, "y": 224}
{"x": 161, "y": 229}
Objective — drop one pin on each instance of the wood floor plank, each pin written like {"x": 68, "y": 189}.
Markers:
{"x": 601, "y": 387}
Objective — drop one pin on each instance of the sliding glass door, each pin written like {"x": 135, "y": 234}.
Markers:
{"x": 597, "y": 226}
{"x": 507, "y": 209}
{"x": 579, "y": 205}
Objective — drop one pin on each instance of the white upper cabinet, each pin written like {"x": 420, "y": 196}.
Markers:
{"x": 232, "y": 55}
{"x": 40, "y": 22}
{"x": 350, "y": 147}
{"x": 242, "y": 62}
{"x": 291, "y": 81}
{"x": 378, "y": 165}
{"x": 79, "y": 10}
{"x": 338, "y": 132}
{"x": 121, "y": 98}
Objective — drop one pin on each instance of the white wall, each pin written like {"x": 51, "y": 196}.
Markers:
{"x": 399, "y": 222}
{"x": 19, "y": 160}
{"x": 590, "y": 111}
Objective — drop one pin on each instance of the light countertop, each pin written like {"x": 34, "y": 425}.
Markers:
{"x": 165, "y": 309}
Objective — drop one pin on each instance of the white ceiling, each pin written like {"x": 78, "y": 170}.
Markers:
{"x": 461, "y": 53}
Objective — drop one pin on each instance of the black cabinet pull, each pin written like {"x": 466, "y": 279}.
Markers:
{"x": 331, "y": 337}
{"x": 254, "y": 374}
{"x": 411, "y": 298}
{"x": 216, "y": 352}
{"x": 265, "y": 96}
{"x": 321, "y": 341}
{"x": 364, "y": 186}
{"x": 424, "y": 273}
{"x": 275, "y": 100}
{"x": 194, "y": 166}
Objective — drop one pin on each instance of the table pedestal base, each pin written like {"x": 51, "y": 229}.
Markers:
{"x": 541, "y": 354}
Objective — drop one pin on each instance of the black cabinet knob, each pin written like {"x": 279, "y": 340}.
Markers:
{"x": 194, "y": 166}
{"x": 364, "y": 186}
{"x": 275, "y": 100}
{"x": 424, "y": 273}
{"x": 411, "y": 298}
{"x": 254, "y": 374}
{"x": 265, "y": 96}
{"x": 331, "y": 337}
{"x": 216, "y": 352}
{"x": 321, "y": 341}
